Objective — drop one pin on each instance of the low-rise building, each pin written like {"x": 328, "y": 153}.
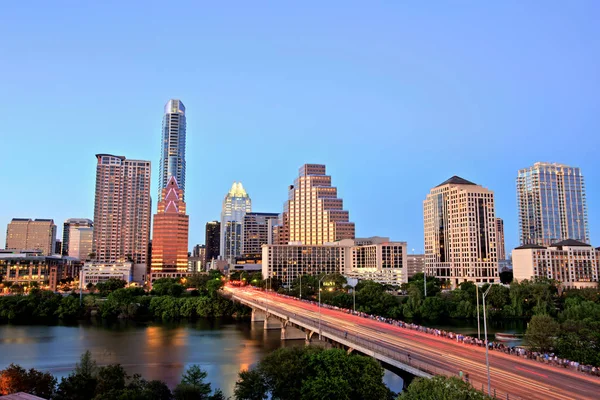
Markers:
{"x": 95, "y": 272}
{"x": 376, "y": 259}
{"x": 572, "y": 263}
{"x": 24, "y": 268}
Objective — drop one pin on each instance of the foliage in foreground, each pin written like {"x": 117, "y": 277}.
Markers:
{"x": 312, "y": 373}
{"x": 90, "y": 382}
{"x": 441, "y": 388}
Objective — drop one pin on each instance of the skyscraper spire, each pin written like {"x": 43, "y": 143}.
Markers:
{"x": 172, "y": 158}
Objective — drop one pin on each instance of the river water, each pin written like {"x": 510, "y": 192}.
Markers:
{"x": 156, "y": 351}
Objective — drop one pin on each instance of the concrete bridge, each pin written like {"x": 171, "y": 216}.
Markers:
{"x": 412, "y": 353}
{"x": 298, "y": 327}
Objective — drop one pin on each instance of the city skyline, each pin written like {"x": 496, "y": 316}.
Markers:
{"x": 370, "y": 113}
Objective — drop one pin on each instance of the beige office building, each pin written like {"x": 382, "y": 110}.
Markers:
{"x": 572, "y": 263}
{"x": 27, "y": 234}
{"x": 80, "y": 243}
{"x": 122, "y": 210}
{"x": 375, "y": 259}
{"x": 415, "y": 264}
{"x": 460, "y": 233}
{"x": 313, "y": 214}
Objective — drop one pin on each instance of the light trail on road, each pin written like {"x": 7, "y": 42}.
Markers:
{"x": 516, "y": 376}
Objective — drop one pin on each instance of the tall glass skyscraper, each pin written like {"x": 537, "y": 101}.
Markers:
{"x": 235, "y": 206}
{"x": 552, "y": 205}
{"x": 172, "y": 158}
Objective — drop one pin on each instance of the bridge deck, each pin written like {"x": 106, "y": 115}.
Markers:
{"x": 511, "y": 376}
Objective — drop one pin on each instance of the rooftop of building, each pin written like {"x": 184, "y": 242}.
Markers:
{"x": 237, "y": 190}
{"x": 21, "y": 396}
{"x": 456, "y": 180}
{"x": 571, "y": 243}
{"x": 530, "y": 246}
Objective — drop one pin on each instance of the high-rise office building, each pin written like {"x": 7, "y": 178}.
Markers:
{"x": 70, "y": 225}
{"x": 172, "y": 157}
{"x": 235, "y": 205}
{"x": 460, "y": 233}
{"x": 415, "y": 264}
{"x": 170, "y": 234}
{"x": 121, "y": 210}
{"x": 501, "y": 247}
{"x": 80, "y": 243}
{"x": 213, "y": 240}
{"x": 58, "y": 247}
{"x": 552, "y": 204}
{"x": 314, "y": 214}
{"x": 255, "y": 231}
{"x": 28, "y": 234}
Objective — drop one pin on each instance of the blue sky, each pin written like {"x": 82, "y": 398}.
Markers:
{"x": 394, "y": 97}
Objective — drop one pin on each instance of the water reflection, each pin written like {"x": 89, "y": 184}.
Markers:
{"x": 156, "y": 351}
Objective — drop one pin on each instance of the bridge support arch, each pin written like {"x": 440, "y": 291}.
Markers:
{"x": 272, "y": 322}
{"x": 290, "y": 332}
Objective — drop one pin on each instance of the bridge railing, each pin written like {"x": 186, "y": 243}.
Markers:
{"x": 401, "y": 356}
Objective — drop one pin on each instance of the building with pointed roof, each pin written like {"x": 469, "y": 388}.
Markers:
{"x": 170, "y": 234}
{"x": 235, "y": 206}
{"x": 172, "y": 155}
{"x": 460, "y": 233}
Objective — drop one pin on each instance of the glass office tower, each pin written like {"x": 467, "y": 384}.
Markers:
{"x": 172, "y": 158}
{"x": 552, "y": 205}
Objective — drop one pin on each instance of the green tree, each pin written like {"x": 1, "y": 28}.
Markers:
{"x": 541, "y": 333}
{"x": 313, "y": 373}
{"x": 69, "y": 309}
{"x": 192, "y": 385}
{"x": 441, "y": 388}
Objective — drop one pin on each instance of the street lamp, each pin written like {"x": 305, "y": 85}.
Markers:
{"x": 300, "y": 286}
{"x": 478, "y": 324}
{"x": 323, "y": 277}
{"x": 487, "y": 360}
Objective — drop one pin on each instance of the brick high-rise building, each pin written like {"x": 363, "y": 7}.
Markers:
{"x": 170, "y": 234}
{"x": 314, "y": 214}
{"x": 121, "y": 210}
{"x": 28, "y": 234}
{"x": 460, "y": 233}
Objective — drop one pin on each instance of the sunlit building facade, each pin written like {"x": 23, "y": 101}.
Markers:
{"x": 570, "y": 262}
{"x": 377, "y": 259}
{"x": 72, "y": 224}
{"x": 28, "y": 234}
{"x": 172, "y": 156}
{"x": 415, "y": 264}
{"x": 122, "y": 210}
{"x": 313, "y": 214}
{"x": 460, "y": 233}
{"x": 170, "y": 234}
{"x": 552, "y": 204}
{"x": 235, "y": 206}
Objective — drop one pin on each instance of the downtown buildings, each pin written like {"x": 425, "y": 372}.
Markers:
{"x": 170, "y": 234}
{"x": 552, "y": 204}
{"x": 235, "y": 206}
{"x": 213, "y": 241}
{"x": 28, "y": 234}
{"x": 460, "y": 233}
{"x": 314, "y": 214}
{"x": 122, "y": 211}
{"x": 78, "y": 236}
{"x": 172, "y": 156}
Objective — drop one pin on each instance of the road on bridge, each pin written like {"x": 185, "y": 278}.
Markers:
{"x": 516, "y": 376}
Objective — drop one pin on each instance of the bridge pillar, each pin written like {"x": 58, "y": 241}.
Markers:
{"x": 258, "y": 315}
{"x": 289, "y": 332}
{"x": 272, "y": 322}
